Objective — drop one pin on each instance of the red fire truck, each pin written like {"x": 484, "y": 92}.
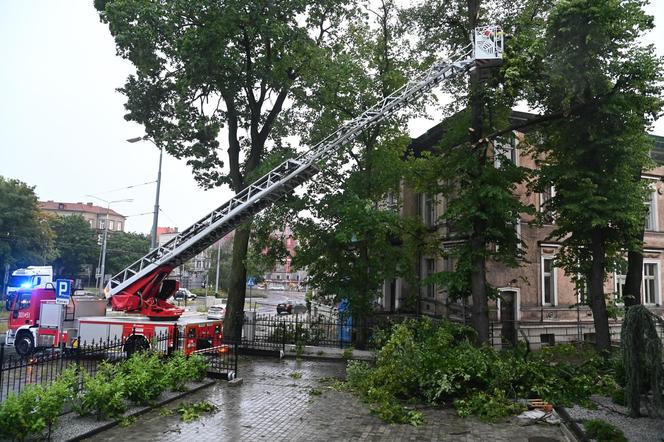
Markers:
{"x": 36, "y": 321}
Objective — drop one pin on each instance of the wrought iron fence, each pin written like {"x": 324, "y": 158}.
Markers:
{"x": 45, "y": 366}
{"x": 272, "y": 333}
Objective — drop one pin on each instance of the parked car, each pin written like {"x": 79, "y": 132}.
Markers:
{"x": 184, "y": 293}
{"x": 291, "y": 307}
{"x": 285, "y": 307}
{"x": 299, "y": 308}
{"x": 216, "y": 311}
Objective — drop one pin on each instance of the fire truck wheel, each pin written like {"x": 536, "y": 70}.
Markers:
{"x": 136, "y": 343}
{"x": 24, "y": 344}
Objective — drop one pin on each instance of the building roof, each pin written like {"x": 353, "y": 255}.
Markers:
{"x": 57, "y": 206}
{"x": 432, "y": 137}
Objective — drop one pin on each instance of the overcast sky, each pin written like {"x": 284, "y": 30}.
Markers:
{"x": 61, "y": 121}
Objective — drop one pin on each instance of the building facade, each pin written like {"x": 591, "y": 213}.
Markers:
{"x": 284, "y": 276}
{"x": 193, "y": 273}
{"x": 537, "y": 301}
{"x": 94, "y": 215}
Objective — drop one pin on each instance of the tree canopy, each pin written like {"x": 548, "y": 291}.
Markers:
{"x": 594, "y": 156}
{"x": 75, "y": 242}
{"x": 25, "y": 237}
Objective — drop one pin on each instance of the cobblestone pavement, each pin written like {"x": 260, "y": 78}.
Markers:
{"x": 273, "y": 404}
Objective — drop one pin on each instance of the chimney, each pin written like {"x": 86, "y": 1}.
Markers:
{"x": 89, "y": 204}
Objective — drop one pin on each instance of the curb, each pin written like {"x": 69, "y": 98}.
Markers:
{"x": 570, "y": 428}
{"x": 139, "y": 412}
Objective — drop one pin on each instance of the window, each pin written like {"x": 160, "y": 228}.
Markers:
{"x": 651, "y": 211}
{"x": 102, "y": 223}
{"x": 649, "y": 284}
{"x": 545, "y": 197}
{"x": 429, "y": 210}
{"x": 548, "y": 281}
{"x": 24, "y": 300}
{"x": 506, "y": 151}
{"x": 620, "y": 286}
{"x": 650, "y": 290}
{"x": 92, "y": 223}
{"x": 430, "y": 269}
{"x": 118, "y": 225}
{"x": 111, "y": 225}
{"x": 548, "y": 339}
{"x": 391, "y": 201}
{"x": 582, "y": 290}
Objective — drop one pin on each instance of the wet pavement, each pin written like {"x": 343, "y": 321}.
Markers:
{"x": 274, "y": 403}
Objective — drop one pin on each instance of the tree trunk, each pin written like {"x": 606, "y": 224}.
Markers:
{"x": 596, "y": 292}
{"x": 633, "y": 279}
{"x": 238, "y": 284}
{"x": 480, "y": 310}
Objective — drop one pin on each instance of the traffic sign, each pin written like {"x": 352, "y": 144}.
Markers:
{"x": 62, "y": 291}
{"x": 251, "y": 281}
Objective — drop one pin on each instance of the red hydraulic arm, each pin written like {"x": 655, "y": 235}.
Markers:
{"x": 148, "y": 295}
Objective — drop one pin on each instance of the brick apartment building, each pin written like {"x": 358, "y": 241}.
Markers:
{"x": 538, "y": 301}
{"x": 94, "y": 215}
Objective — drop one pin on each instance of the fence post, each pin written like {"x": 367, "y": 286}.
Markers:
{"x": 235, "y": 349}
{"x": 283, "y": 336}
{"x": 2, "y": 364}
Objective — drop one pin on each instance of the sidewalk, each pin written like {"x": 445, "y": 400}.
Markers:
{"x": 273, "y": 405}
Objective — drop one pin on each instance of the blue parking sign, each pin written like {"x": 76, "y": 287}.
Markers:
{"x": 62, "y": 291}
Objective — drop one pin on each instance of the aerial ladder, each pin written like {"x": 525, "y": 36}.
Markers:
{"x": 143, "y": 286}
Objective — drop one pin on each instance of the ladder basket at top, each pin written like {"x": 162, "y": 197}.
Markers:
{"x": 488, "y": 45}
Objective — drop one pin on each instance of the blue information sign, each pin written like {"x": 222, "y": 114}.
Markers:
{"x": 251, "y": 281}
{"x": 62, "y": 291}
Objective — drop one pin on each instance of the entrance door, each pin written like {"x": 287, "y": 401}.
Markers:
{"x": 508, "y": 318}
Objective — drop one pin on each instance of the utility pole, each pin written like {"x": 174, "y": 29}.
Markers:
{"x": 102, "y": 267}
{"x": 155, "y": 216}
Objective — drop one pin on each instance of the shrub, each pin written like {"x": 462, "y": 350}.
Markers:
{"x": 19, "y": 414}
{"x": 176, "y": 372}
{"x": 102, "y": 394}
{"x": 604, "y": 431}
{"x": 144, "y": 377}
{"x": 197, "y": 367}
{"x": 179, "y": 370}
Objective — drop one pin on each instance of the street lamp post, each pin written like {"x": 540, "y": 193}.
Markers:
{"x": 102, "y": 265}
{"x": 155, "y": 217}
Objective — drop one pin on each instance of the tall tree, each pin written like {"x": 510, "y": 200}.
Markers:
{"x": 25, "y": 237}
{"x": 75, "y": 243}
{"x": 347, "y": 234}
{"x": 591, "y": 156}
{"x": 482, "y": 206}
{"x": 204, "y": 65}
{"x": 123, "y": 248}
